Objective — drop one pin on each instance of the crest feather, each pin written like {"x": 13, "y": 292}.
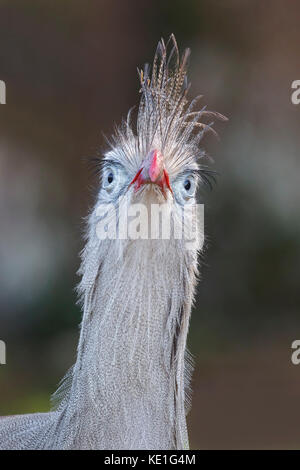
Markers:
{"x": 166, "y": 118}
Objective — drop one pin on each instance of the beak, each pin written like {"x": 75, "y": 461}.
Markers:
{"x": 152, "y": 171}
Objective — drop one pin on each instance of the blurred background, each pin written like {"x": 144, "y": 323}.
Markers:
{"x": 70, "y": 73}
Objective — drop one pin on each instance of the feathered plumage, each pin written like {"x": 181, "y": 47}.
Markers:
{"x": 128, "y": 387}
{"x": 166, "y": 118}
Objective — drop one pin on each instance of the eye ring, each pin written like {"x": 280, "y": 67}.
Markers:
{"x": 186, "y": 186}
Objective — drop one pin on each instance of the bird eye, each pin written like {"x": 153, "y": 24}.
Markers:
{"x": 110, "y": 178}
{"x": 185, "y": 187}
{"x": 187, "y": 184}
{"x": 113, "y": 178}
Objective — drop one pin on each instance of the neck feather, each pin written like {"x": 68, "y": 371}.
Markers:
{"x": 128, "y": 377}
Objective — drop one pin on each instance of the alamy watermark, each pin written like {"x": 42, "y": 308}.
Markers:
{"x": 2, "y": 352}
{"x": 124, "y": 221}
{"x": 2, "y": 92}
{"x": 295, "y": 96}
{"x": 295, "y": 357}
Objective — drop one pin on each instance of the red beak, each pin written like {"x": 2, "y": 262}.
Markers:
{"x": 152, "y": 171}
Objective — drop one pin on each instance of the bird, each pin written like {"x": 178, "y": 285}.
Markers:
{"x": 130, "y": 385}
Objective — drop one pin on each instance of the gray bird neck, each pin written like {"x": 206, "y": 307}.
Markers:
{"x": 126, "y": 366}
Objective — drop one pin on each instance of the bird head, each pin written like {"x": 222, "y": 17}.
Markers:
{"x": 157, "y": 159}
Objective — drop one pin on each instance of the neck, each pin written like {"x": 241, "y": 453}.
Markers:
{"x": 128, "y": 377}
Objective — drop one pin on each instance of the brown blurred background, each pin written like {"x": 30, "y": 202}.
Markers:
{"x": 70, "y": 72}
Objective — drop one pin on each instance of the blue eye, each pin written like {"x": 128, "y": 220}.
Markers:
{"x": 187, "y": 185}
{"x": 110, "y": 178}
